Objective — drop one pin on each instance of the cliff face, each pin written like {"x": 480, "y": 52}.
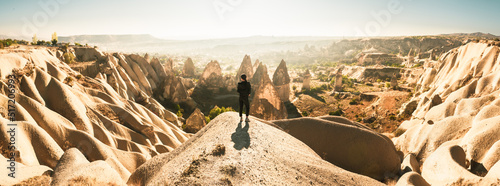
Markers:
{"x": 455, "y": 126}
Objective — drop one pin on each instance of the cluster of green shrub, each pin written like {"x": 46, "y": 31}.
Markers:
{"x": 337, "y": 112}
{"x": 346, "y": 81}
{"x": 318, "y": 89}
{"x": 393, "y": 64}
{"x": 179, "y": 111}
{"x": 216, "y": 111}
{"x": 354, "y": 101}
{"x": 69, "y": 57}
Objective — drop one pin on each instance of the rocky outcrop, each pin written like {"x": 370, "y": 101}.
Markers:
{"x": 174, "y": 90}
{"x": 245, "y": 68}
{"x": 266, "y": 156}
{"x": 85, "y": 54}
{"x": 195, "y": 122}
{"x": 169, "y": 67}
{"x": 256, "y": 65}
{"x": 266, "y": 103}
{"x": 338, "y": 81}
{"x": 455, "y": 120}
{"x": 394, "y": 82}
{"x": 258, "y": 76}
{"x": 73, "y": 167}
{"x": 306, "y": 83}
{"x": 189, "y": 69}
{"x": 332, "y": 137}
{"x": 159, "y": 69}
{"x": 91, "y": 129}
{"x": 281, "y": 81}
{"x": 211, "y": 78}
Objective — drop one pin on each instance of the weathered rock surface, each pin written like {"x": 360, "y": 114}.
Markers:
{"x": 281, "y": 81}
{"x": 306, "y": 83}
{"x": 195, "y": 122}
{"x": 111, "y": 121}
{"x": 251, "y": 156}
{"x": 266, "y": 103}
{"x": 456, "y": 117}
{"x": 332, "y": 138}
{"x": 85, "y": 54}
{"x": 189, "y": 69}
{"x": 245, "y": 68}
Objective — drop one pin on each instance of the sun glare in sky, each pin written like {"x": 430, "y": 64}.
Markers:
{"x": 205, "y": 19}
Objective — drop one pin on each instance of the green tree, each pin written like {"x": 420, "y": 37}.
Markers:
{"x": 216, "y": 111}
{"x": 69, "y": 58}
{"x": 35, "y": 40}
{"x": 54, "y": 39}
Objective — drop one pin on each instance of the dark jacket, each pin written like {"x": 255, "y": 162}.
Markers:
{"x": 244, "y": 88}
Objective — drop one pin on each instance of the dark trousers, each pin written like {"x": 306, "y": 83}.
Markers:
{"x": 244, "y": 101}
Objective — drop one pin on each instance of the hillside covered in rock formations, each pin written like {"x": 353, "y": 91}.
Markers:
{"x": 111, "y": 122}
{"x": 126, "y": 119}
{"x": 453, "y": 135}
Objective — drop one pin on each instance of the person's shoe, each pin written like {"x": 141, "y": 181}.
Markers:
{"x": 247, "y": 120}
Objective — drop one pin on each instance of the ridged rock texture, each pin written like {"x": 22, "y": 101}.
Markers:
{"x": 281, "y": 81}
{"x": 73, "y": 125}
{"x": 455, "y": 128}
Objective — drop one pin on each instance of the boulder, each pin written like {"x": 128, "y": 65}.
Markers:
{"x": 195, "y": 122}
{"x": 368, "y": 153}
{"x": 412, "y": 179}
{"x": 410, "y": 164}
{"x": 74, "y": 168}
{"x": 447, "y": 166}
{"x": 85, "y": 54}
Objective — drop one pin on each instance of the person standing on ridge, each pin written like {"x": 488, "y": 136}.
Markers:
{"x": 244, "y": 88}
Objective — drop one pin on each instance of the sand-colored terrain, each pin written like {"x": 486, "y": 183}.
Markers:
{"x": 455, "y": 130}
{"x": 58, "y": 110}
{"x": 254, "y": 153}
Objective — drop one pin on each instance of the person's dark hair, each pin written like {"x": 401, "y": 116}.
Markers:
{"x": 244, "y": 77}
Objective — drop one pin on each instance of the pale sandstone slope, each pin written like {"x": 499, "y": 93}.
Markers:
{"x": 458, "y": 103}
{"x": 255, "y": 153}
{"x": 111, "y": 118}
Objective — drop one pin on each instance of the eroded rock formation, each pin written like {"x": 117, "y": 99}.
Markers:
{"x": 306, "y": 83}
{"x": 456, "y": 117}
{"x": 266, "y": 103}
{"x": 189, "y": 69}
{"x": 195, "y": 122}
{"x": 281, "y": 81}
{"x": 100, "y": 129}
{"x": 245, "y": 68}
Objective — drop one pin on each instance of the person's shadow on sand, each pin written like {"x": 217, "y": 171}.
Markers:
{"x": 240, "y": 137}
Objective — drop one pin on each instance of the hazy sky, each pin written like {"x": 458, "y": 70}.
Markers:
{"x": 200, "y": 19}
